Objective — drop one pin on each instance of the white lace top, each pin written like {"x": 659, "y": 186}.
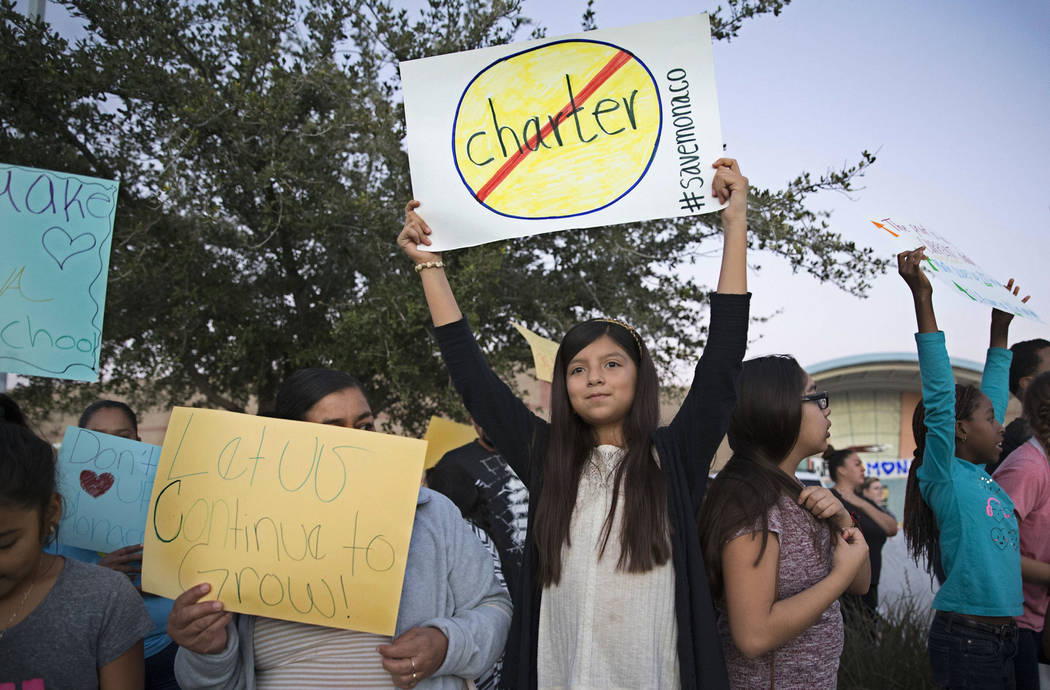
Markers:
{"x": 601, "y": 627}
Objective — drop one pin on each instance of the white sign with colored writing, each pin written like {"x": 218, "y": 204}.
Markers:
{"x": 887, "y": 469}
{"x": 105, "y": 482}
{"x": 950, "y": 265}
{"x": 55, "y": 234}
{"x": 585, "y": 130}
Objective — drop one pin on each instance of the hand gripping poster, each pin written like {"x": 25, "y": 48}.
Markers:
{"x": 585, "y": 130}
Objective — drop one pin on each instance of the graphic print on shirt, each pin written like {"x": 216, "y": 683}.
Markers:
{"x": 1004, "y": 533}
{"x": 511, "y": 508}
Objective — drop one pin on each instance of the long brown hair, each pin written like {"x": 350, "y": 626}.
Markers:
{"x": 763, "y": 429}
{"x": 644, "y": 539}
{"x": 920, "y": 524}
{"x": 1037, "y": 409}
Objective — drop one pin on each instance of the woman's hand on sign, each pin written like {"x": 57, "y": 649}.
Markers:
{"x": 199, "y": 626}
{"x": 729, "y": 185}
{"x": 127, "y": 560}
{"x": 415, "y": 232}
{"x": 416, "y": 654}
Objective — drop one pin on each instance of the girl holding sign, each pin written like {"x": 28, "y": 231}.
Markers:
{"x": 117, "y": 419}
{"x": 952, "y": 501}
{"x": 613, "y": 591}
{"x": 63, "y": 623}
{"x": 451, "y": 622}
{"x": 779, "y": 555}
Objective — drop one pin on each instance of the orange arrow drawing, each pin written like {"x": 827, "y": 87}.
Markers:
{"x": 880, "y": 225}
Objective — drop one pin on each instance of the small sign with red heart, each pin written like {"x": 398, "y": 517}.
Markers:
{"x": 96, "y": 484}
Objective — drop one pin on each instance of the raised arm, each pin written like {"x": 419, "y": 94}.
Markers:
{"x": 511, "y": 426}
{"x": 996, "y": 376}
{"x": 431, "y": 269}
{"x": 729, "y": 185}
{"x": 702, "y": 420}
{"x": 909, "y": 266}
{"x": 938, "y": 382}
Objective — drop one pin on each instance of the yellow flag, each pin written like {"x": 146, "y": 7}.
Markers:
{"x": 543, "y": 353}
{"x": 442, "y": 436}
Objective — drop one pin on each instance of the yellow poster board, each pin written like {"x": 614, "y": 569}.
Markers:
{"x": 543, "y": 353}
{"x": 444, "y": 435}
{"x": 291, "y": 520}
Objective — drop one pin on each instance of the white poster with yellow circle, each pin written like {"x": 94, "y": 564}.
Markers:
{"x": 586, "y": 130}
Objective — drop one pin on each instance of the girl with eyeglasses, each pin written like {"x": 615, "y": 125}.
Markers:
{"x": 612, "y": 590}
{"x": 779, "y": 555}
{"x": 951, "y": 501}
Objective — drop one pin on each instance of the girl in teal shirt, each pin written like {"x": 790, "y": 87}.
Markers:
{"x": 952, "y": 501}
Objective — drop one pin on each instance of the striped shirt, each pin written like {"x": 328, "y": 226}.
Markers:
{"x": 297, "y": 655}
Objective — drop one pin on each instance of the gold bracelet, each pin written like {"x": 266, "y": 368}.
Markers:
{"x": 429, "y": 264}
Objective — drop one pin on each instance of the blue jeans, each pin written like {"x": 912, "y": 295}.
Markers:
{"x": 971, "y": 654}
{"x": 1029, "y": 656}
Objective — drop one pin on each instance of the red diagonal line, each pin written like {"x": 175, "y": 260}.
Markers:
{"x": 619, "y": 60}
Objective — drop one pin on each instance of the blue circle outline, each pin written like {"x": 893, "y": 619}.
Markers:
{"x": 656, "y": 146}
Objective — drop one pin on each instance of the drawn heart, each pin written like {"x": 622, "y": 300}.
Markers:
{"x": 1000, "y": 537}
{"x": 888, "y": 467}
{"x": 61, "y": 247}
{"x": 96, "y": 484}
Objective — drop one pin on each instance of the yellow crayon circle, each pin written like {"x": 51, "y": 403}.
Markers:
{"x": 559, "y": 130}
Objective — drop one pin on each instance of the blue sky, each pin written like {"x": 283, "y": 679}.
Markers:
{"x": 954, "y": 97}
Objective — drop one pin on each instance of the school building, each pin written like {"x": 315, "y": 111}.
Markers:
{"x": 873, "y": 397}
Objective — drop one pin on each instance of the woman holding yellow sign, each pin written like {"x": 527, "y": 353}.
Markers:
{"x": 452, "y": 619}
{"x": 613, "y": 591}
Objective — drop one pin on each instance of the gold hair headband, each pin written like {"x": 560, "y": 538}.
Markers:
{"x": 634, "y": 334}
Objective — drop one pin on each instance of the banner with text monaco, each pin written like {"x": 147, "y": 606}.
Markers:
{"x": 105, "y": 482}
{"x": 292, "y": 520}
{"x": 55, "y": 230}
{"x": 590, "y": 129}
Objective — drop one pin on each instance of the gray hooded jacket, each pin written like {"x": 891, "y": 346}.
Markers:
{"x": 449, "y": 585}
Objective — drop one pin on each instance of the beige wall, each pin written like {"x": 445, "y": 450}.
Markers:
{"x": 907, "y": 439}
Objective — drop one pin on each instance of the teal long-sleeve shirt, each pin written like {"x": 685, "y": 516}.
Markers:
{"x": 978, "y": 529}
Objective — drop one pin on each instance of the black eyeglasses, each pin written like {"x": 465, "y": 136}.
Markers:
{"x": 820, "y": 398}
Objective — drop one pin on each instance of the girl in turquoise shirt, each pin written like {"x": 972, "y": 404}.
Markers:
{"x": 953, "y": 501}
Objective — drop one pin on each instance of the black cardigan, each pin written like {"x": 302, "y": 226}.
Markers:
{"x": 685, "y": 447}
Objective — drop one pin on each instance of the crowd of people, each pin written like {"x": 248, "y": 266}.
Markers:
{"x": 592, "y": 550}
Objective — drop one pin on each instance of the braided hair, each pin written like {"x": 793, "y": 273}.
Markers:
{"x": 920, "y": 524}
